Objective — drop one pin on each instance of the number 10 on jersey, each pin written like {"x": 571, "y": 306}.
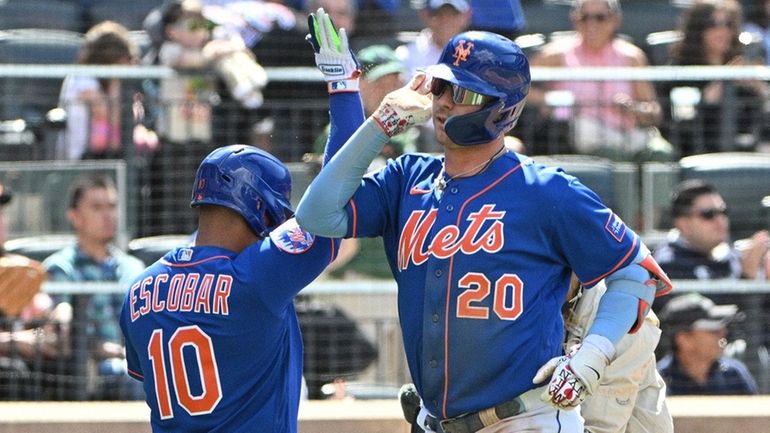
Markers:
{"x": 192, "y": 338}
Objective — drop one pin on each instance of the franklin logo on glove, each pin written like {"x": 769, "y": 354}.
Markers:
{"x": 335, "y": 70}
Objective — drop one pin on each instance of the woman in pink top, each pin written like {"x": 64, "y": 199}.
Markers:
{"x": 608, "y": 118}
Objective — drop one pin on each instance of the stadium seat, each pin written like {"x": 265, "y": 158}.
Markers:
{"x": 657, "y": 46}
{"x": 151, "y": 248}
{"x": 743, "y": 180}
{"x": 25, "y": 98}
{"x": 129, "y": 13}
{"x": 39, "y": 247}
{"x": 641, "y": 17}
{"x": 29, "y": 99}
{"x": 41, "y": 14}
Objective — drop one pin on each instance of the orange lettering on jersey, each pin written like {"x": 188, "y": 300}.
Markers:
{"x": 222, "y": 292}
{"x": 413, "y": 237}
{"x": 174, "y": 292}
{"x": 450, "y": 239}
{"x": 462, "y": 51}
{"x": 188, "y": 294}
{"x": 158, "y": 304}
{"x": 202, "y": 301}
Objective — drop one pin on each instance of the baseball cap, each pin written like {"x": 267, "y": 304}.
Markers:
{"x": 697, "y": 312}
{"x": 378, "y": 61}
{"x": 460, "y": 5}
{"x": 5, "y": 194}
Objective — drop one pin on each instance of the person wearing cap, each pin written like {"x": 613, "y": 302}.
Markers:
{"x": 442, "y": 19}
{"x": 696, "y": 365}
{"x": 698, "y": 247}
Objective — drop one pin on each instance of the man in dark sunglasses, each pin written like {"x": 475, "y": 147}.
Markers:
{"x": 699, "y": 246}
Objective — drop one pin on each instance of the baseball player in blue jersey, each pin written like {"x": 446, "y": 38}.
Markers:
{"x": 211, "y": 329}
{"x": 482, "y": 242}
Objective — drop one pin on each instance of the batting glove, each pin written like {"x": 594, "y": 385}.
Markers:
{"x": 575, "y": 376}
{"x": 333, "y": 56}
{"x": 405, "y": 107}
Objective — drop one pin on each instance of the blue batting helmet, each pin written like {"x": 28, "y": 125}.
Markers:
{"x": 247, "y": 180}
{"x": 492, "y": 65}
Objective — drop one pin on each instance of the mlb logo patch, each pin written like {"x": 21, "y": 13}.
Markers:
{"x": 616, "y": 227}
{"x": 184, "y": 255}
{"x": 289, "y": 237}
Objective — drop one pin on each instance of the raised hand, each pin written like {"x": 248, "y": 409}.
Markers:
{"x": 333, "y": 56}
{"x": 405, "y": 107}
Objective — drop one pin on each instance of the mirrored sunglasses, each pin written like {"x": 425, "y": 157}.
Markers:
{"x": 460, "y": 95}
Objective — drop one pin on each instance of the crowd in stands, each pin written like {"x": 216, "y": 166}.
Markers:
{"x": 226, "y": 45}
{"x": 222, "y": 95}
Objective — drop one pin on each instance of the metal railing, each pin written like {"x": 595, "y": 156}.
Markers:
{"x": 369, "y": 306}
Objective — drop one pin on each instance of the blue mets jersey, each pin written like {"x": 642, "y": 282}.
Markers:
{"x": 214, "y": 336}
{"x": 483, "y": 268}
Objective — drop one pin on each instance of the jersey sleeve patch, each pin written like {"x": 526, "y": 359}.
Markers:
{"x": 615, "y": 227}
{"x": 290, "y": 238}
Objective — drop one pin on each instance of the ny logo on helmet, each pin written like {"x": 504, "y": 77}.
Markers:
{"x": 462, "y": 51}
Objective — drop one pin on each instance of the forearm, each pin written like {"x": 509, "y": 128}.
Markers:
{"x": 322, "y": 208}
{"x": 347, "y": 114}
{"x": 618, "y": 309}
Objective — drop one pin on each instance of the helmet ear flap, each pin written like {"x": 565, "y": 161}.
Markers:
{"x": 475, "y": 128}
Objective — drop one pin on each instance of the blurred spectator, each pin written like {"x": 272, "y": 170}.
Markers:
{"x": 382, "y": 72}
{"x": 191, "y": 42}
{"x": 714, "y": 115}
{"x": 375, "y": 20}
{"x": 286, "y": 46}
{"x": 699, "y": 244}
{"x": 24, "y": 335}
{"x": 758, "y": 24}
{"x": 696, "y": 365}
{"x": 442, "y": 19}
{"x": 92, "y": 211}
{"x": 614, "y": 119}
{"x": 94, "y": 106}
{"x": 505, "y": 17}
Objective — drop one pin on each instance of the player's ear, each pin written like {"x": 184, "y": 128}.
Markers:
{"x": 73, "y": 217}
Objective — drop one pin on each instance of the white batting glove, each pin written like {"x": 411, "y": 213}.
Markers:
{"x": 405, "y": 107}
{"x": 333, "y": 56}
{"x": 576, "y": 375}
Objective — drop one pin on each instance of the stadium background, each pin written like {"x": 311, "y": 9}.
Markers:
{"x": 38, "y": 44}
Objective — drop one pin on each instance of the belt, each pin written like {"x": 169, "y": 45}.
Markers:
{"x": 475, "y": 421}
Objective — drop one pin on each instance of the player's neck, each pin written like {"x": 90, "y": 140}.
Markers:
{"x": 463, "y": 161}
{"x": 226, "y": 230}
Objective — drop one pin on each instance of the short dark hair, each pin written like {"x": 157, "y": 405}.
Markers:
{"x": 686, "y": 193}
{"x": 85, "y": 183}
